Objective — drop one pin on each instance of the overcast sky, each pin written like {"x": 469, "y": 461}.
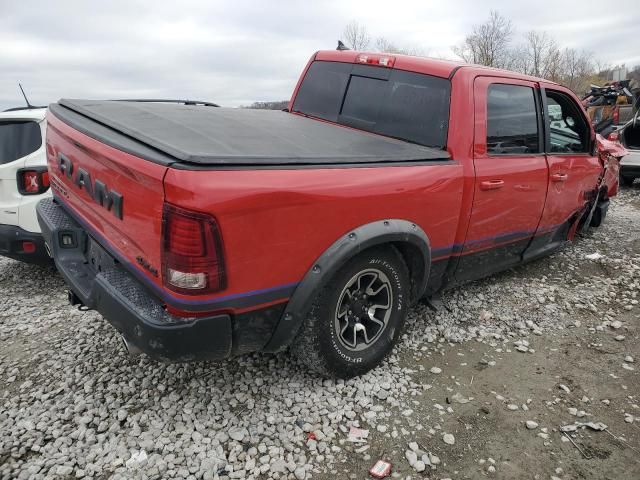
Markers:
{"x": 236, "y": 52}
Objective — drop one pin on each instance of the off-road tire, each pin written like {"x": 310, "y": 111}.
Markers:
{"x": 317, "y": 344}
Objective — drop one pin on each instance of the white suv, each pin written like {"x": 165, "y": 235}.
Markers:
{"x": 23, "y": 182}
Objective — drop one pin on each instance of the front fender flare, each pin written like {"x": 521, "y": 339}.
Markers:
{"x": 348, "y": 246}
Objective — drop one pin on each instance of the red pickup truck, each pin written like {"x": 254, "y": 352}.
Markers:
{"x": 201, "y": 233}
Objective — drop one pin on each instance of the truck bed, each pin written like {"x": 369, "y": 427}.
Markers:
{"x": 207, "y": 136}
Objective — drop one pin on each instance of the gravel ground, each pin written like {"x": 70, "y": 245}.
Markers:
{"x": 479, "y": 388}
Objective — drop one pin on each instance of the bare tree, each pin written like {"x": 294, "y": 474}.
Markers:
{"x": 383, "y": 45}
{"x": 578, "y": 69}
{"x": 356, "y": 36}
{"x": 488, "y": 43}
{"x": 543, "y": 57}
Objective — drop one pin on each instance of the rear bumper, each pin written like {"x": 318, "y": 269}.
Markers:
{"x": 12, "y": 246}
{"x": 101, "y": 283}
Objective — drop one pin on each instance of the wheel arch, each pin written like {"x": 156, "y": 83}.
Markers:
{"x": 409, "y": 240}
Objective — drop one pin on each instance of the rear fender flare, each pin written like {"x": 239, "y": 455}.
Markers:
{"x": 392, "y": 231}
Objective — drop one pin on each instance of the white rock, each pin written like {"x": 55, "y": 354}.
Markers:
{"x": 448, "y": 438}
{"x": 64, "y": 470}
{"x": 419, "y": 466}
{"x": 531, "y": 425}
{"x": 435, "y": 370}
{"x": 237, "y": 433}
{"x": 411, "y": 456}
{"x": 628, "y": 359}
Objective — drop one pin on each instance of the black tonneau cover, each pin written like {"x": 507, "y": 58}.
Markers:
{"x": 168, "y": 133}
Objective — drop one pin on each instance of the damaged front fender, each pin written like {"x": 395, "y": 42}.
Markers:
{"x": 610, "y": 153}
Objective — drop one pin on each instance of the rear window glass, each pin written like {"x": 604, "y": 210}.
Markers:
{"x": 405, "y": 105}
{"x": 18, "y": 139}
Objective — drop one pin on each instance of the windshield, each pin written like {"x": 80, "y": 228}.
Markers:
{"x": 405, "y": 105}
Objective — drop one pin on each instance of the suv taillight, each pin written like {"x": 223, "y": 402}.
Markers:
{"x": 616, "y": 115}
{"x": 33, "y": 181}
{"x": 192, "y": 254}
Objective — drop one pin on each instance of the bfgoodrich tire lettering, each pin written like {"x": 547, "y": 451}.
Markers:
{"x": 350, "y": 328}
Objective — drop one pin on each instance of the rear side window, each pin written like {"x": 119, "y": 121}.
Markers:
{"x": 512, "y": 120}
{"x": 18, "y": 139}
{"x": 405, "y": 105}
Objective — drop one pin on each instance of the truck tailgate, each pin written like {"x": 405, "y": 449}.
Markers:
{"x": 117, "y": 197}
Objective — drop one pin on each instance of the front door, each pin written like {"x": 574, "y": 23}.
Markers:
{"x": 573, "y": 170}
{"x": 511, "y": 176}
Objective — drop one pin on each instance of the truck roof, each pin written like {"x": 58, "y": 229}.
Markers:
{"x": 426, "y": 65}
{"x": 172, "y": 133}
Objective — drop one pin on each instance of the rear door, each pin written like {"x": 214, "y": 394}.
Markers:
{"x": 511, "y": 176}
{"x": 573, "y": 169}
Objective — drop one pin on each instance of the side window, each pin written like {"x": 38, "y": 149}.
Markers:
{"x": 568, "y": 130}
{"x": 18, "y": 139}
{"x": 512, "y": 120}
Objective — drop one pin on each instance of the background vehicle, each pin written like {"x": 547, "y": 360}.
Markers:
{"x": 206, "y": 232}
{"x": 629, "y": 136}
{"x": 611, "y": 106}
{"x": 23, "y": 182}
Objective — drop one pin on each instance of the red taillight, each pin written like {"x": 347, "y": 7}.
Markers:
{"x": 192, "y": 261}
{"x": 28, "y": 247}
{"x": 379, "y": 60}
{"x": 33, "y": 182}
{"x": 616, "y": 115}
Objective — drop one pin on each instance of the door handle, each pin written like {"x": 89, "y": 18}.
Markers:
{"x": 491, "y": 184}
{"x": 559, "y": 177}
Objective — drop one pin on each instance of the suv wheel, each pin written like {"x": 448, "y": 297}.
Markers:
{"x": 356, "y": 319}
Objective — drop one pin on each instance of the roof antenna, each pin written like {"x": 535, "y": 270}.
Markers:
{"x": 25, "y": 96}
{"x": 341, "y": 46}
